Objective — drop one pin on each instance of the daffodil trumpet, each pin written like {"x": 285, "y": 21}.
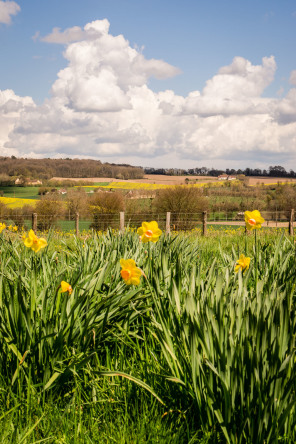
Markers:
{"x": 149, "y": 232}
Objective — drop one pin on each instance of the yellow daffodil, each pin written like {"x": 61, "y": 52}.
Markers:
{"x": 33, "y": 242}
{"x": 66, "y": 287}
{"x": 149, "y": 231}
{"x": 2, "y": 226}
{"x": 253, "y": 219}
{"x": 15, "y": 228}
{"x": 130, "y": 273}
{"x": 242, "y": 264}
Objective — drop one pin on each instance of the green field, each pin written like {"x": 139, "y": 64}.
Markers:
{"x": 20, "y": 192}
{"x": 196, "y": 353}
{"x": 93, "y": 188}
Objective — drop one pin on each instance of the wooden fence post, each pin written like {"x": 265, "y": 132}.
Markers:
{"x": 291, "y": 223}
{"x": 168, "y": 223}
{"x": 204, "y": 223}
{"x": 121, "y": 221}
{"x": 77, "y": 224}
{"x": 34, "y": 222}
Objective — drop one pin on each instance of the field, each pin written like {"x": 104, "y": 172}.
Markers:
{"x": 159, "y": 179}
{"x": 194, "y": 352}
{"x": 149, "y": 179}
{"x": 20, "y": 192}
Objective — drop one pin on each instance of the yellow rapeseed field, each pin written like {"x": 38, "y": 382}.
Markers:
{"x": 152, "y": 186}
{"x": 15, "y": 202}
{"x": 135, "y": 186}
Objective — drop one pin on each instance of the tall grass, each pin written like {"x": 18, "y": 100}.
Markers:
{"x": 195, "y": 353}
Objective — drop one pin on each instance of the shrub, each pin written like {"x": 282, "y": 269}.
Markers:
{"x": 49, "y": 209}
{"x": 183, "y": 202}
{"x": 3, "y": 209}
{"x": 104, "y": 207}
{"x": 77, "y": 202}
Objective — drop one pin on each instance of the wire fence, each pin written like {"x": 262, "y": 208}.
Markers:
{"x": 170, "y": 221}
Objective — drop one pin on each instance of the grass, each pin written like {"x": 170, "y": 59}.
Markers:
{"x": 196, "y": 353}
{"x": 99, "y": 184}
{"x": 21, "y": 192}
{"x": 93, "y": 187}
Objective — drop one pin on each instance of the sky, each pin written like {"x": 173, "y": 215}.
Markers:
{"x": 152, "y": 83}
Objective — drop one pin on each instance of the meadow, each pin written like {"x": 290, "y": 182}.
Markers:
{"x": 196, "y": 353}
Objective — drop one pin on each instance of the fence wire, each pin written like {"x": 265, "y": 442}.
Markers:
{"x": 103, "y": 221}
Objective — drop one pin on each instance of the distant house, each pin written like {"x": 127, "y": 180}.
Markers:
{"x": 226, "y": 177}
{"x": 23, "y": 181}
{"x": 34, "y": 182}
{"x": 62, "y": 191}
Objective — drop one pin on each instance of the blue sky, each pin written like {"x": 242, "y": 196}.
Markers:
{"x": 200, "y": 83}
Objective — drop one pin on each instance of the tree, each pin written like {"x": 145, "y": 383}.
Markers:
{"x": 104, "y": 207}
{"x": 49, "y": 209}
{"x": 277, "y": 171}
{"x": 77, "y": 202}
{"x": 183, "y": 202}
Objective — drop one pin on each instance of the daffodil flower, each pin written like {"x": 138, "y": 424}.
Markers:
{"x": 66, "y": 287}
{"x": 34, "y": 242}
{"x": 2, "y": 226}
{"x": 149, "y": 231}
{"x": 130, "y": 273}
{"x": 242, "y": 264}
{"x": 253, "y": 219}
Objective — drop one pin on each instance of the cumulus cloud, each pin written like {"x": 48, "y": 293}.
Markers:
{"x": 11, "y": 108}
{"x": 101, "y": 106}
{"x": 102, "y": 69}
{"x": 91, "y": 31}
{"x": 235, "y": 90}
{"x": 7, "y": 9}
{"x": 286, "y": 110}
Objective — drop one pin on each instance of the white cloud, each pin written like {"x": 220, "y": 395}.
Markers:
{"x": 102, "y": 69}
{"x": 101, "y": 106}
{"x": 7, "y": 9}
{"x": 11, "y": 107}
{"x": 286, "y": 109}
{"x": 91, "y": 31}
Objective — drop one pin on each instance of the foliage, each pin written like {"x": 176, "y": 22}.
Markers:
{"x": 77, "y": 202}
{"x": 6, "y": 180}
{"x": 49, "y": 209}
{"x": 65, "y": 168}
{"x": 210, "y": 350}
{"x": 105, "y": 208}
{"x": 181, "y": 200}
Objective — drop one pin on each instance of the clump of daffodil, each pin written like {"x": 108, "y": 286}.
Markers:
{"x": 253, "y": 219}
{"x": 2, "y": 226}
{"x": 130, "y": 273}
{"x": 12, "y": 228}
{"x": 149, "y": 231}
{"x": 34, "y": 242}
{"x": 242, "y": 264}
{"x": 66, "y": 287}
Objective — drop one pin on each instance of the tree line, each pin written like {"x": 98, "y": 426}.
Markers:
{"x": 67, "y": 168}
{"x": 272, "y": 171}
